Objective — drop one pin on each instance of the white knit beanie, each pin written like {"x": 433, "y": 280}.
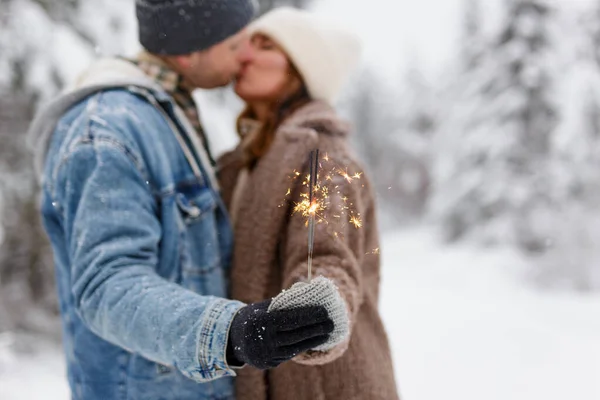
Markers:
{"x": 324, "y": 54}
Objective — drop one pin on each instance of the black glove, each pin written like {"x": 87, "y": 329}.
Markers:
{"x": 266, "y": 339}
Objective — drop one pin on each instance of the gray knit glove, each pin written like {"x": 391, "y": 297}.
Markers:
{"x": 318, "y": 292}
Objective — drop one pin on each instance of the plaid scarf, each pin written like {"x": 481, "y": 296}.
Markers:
{"x": 173, "y": 84}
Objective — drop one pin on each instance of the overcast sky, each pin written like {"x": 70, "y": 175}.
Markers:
{"x": 395, "y": 30}
{"x": 397, "y": 33}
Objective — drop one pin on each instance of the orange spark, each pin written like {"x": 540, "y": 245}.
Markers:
{"x": 345, "y": 175}
{"x": 356, "y": 222}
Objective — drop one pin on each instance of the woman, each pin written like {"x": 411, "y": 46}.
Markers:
{"x": 295, "y": 72}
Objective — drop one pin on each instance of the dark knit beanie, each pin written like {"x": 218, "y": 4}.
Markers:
{"x": 177, "y": 27}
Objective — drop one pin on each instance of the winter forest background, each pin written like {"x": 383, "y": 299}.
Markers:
{"x": 486, "y": 163}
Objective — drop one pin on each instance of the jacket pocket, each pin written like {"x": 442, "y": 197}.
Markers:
{"x": 196, "y": 208}
{"x": 201, "y": 269}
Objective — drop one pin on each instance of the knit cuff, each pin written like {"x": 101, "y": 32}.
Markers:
{"x": 313, "y": 357}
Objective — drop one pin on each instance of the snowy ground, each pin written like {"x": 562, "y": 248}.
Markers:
{"x": 35, "y": 374}
{"x": 462, "y": 327}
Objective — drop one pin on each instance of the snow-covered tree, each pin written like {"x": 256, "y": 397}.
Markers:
{"x": 492, "y": 178}
{"x": 363, "y": 106}
{"x": 393, "y": 126}
{"x": 573, "y": 256}
{"x": 472, "y": 42}
{"x": 517, "y": 157}
{"x": 43, "y": 45}
{"x": 414, "y": 123}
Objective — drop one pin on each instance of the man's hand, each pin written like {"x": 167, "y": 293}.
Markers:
{"x": 266, "y": 339}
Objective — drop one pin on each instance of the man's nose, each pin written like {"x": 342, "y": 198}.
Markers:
{"x": 246, "y": 53}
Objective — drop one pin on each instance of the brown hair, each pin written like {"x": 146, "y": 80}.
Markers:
{"x": 279, "y": 111}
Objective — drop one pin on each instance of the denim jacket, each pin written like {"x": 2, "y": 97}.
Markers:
{"x": 141, "y": 240}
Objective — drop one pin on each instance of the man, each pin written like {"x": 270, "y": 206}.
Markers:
{"x": 140, "y": 236}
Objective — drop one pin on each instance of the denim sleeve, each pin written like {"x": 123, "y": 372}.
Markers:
{"x": 112, "y": 232}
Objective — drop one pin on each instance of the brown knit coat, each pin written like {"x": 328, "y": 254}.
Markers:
{"x": 271, "y": 251}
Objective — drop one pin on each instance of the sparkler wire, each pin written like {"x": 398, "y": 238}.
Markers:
{"x": 314, "y": 170}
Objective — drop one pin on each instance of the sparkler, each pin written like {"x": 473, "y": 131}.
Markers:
{"x": 312, "y": 185}
{"x": 317, "y": 204}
